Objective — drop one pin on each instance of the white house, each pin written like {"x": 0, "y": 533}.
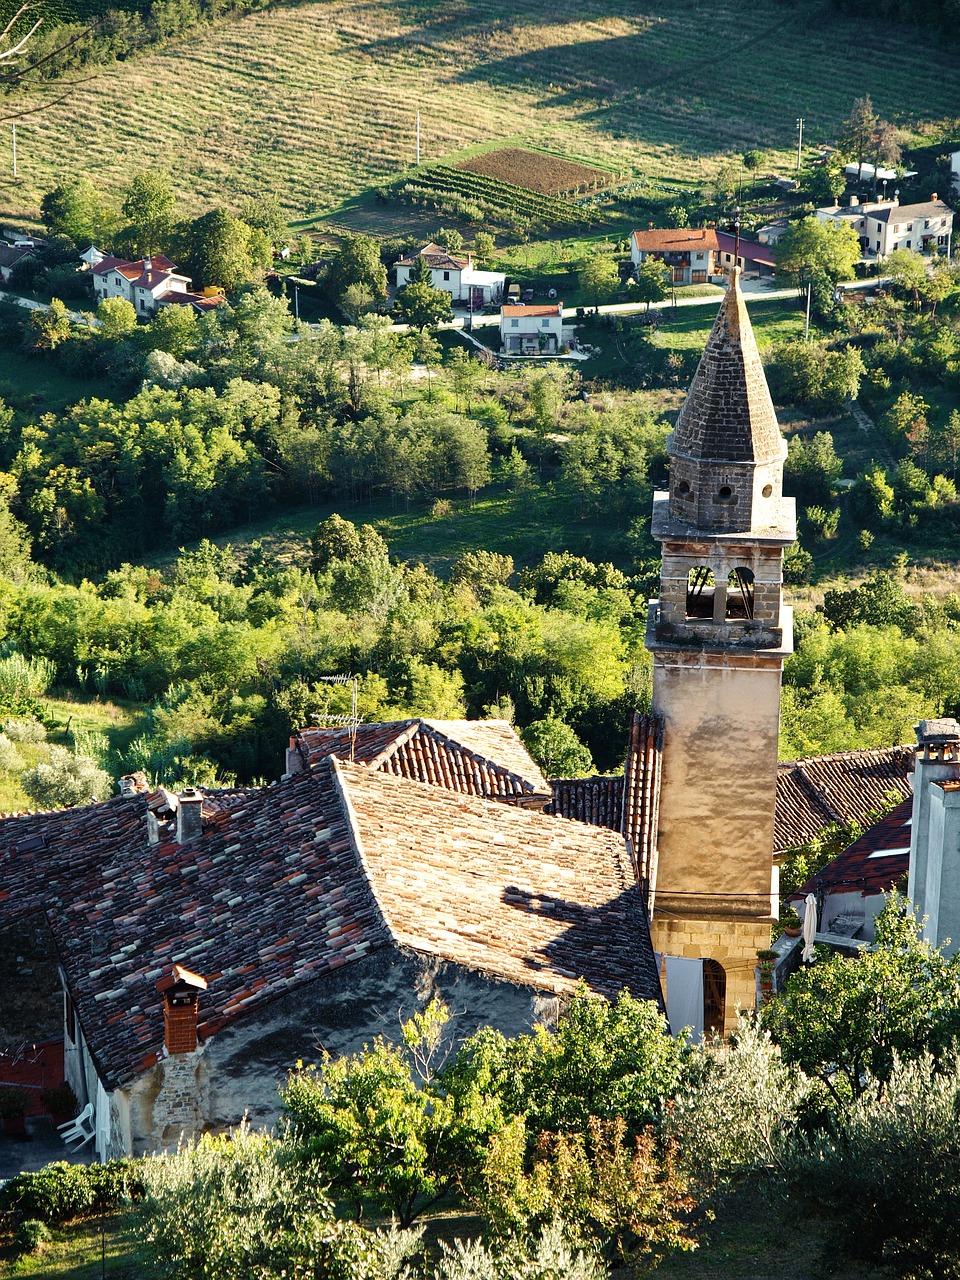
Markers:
{"x": 530, "y": 330}
{"x": 955, "y": 169}
{"x": 689, "y": 252}
{"x": 887, "y": 225}
{"x": 148, "y": 284}
{"x": 454, "y": 275}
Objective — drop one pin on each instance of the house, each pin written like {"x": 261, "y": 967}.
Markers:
{"x": 10, "y": 257}
{"x": 208, "y": 940}
{"x": 689, "y": 253}
{"x": 456, "y": 275}
{"x": 887, "y": 225}
{"x": 771, "y": 233}
{"x": 531, "y": 330}
{"x": 753, "y": 257}
{"x": 148, "y": 283}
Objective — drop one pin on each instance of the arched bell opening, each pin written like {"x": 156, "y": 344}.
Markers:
{"x": 701, "y": 588}
{"x": 740, "y": 593}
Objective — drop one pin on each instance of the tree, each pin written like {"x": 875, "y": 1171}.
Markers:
{"x": 148, "y": 206}
{"x": 65, "y": 779}
{"x": 450, "y": 239}
{"x": 216, "y": 250}
{"x": 557, "y": 749}
{"x": 597, "y": 277}
{"x": 74, "y": 209}
{"x": 420, "y": 305}
{"x": 174, "y": 330}
{"x": 810, "y": 246}
{"x": 265, "y": 213}
{"x": 753, "y": 160}
{"x": 357, "y": 262}
{"x": 812, "y": 467}
{"x": 49, "y": 326}
{"x": 653, "y": 278}
{"x": 885, "y": 148}
{"x": 908, "y": 271}
{"x": 116, "y": 318}
{"x": 848, "y": 1020}
{"x": 857, "y": 132}
{"x": 483, "y": 246}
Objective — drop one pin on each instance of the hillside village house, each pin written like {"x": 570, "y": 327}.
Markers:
{"x": 531, "y": 330}
{"x": 149, "y": 283}
{"x": 689, "y": 253}
{"x": 752, "y": 257}
{"x": 10, "y": 257}
{"x": 455, "y": 275}
{"x": 887, "y": 225}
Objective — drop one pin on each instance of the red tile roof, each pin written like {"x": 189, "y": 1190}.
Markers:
{"x": 475, "y": 757}
{"x": 292, "y": 881}
{"x": 873, "y": 863}
{"x": 847, "y": 786}
{"x": 520, "y": 309}
{"x": 685, "y": 240}
{"x": 437, "y": 258}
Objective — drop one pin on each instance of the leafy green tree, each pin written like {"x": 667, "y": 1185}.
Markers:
{"x": 597, "y": 277}
{"x": 117, "y": 318}
{"x": 483, "y": 246}
{"x": 357, "y": 262}
{"x": 339, "y": 539}
{"x": 653, "y": 279}
{"x": 753, "y": 160}
{"x": 810, "y": 247}
{"x": 907, "y": 270}
{"x": 47, "y": 328}
{"x": 420, "y": 305}
{"x": 812, "y": 468}
{"x": 174, "y": 330}
{"x": 848, "y": 1020}
{"x": 450, "y": 238}
{"x": 74, "y": 209}
{"x": 483, "y": 571}
{"x": 148, "y": 206}
{"x": 557, "y": 749}
{"x": 65, "y": 779}
{"x": 265, "y": 213}
{"x": 216, "y": 251}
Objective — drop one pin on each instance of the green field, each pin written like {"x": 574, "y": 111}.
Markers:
{"x": 318, "y": 101}
{"x": 38, "y": 386}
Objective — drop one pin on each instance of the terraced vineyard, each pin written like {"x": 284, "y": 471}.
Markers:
{"x": 474, "y": 197}
{"x": 318, "y": 101}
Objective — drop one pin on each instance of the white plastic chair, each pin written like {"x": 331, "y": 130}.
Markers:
{"x": 80, "y": 1130}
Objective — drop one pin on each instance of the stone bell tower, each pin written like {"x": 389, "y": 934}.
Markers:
{"x": 719, "y": 634}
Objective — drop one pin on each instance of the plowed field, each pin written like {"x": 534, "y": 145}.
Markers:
{"x": 549, "y": 175}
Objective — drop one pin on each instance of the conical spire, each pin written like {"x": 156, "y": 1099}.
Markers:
{"x": 728, "y": 414}
{"x": 726, "y": 452}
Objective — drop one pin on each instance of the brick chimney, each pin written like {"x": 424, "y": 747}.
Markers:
{"x": 189, "y": 815}
{"x": 181, "y": 994}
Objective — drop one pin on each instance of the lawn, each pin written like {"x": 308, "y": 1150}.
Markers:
{"x": 318, "y": 101}
{"x": 79, "y": 1252}
{"x": 37, "y": 385}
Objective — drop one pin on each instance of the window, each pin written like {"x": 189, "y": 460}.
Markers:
{"x": 514, "y": 324}
{"x": 740, "y": 593}
{"x": 701, "y": 586}
{"x": 545, "y": 324}
{"x": 446, "y": 275}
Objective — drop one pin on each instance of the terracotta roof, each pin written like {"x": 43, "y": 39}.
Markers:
{"x": 519, "y": 309}
{"x": 182, "y": 297}
{"x": 136, "y": 270}
{"x": 728, "y": 414}
{"x": 873, "y": 863}
{"x": 474, "y": 757}
{"x": 516, "y": 894}
{"x": 437, "y": 258}
{"x": 295, "y": 880}
{"x": 843, "y": 787}
{"x": 669, "y": 240}
{"x": 750, "y": 250}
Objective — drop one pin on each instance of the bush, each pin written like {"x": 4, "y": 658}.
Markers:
{"x": 547, "y": 1258}
{"x": 29, "y": 730}
{"x": 30, "y": 1235}
{"x": 61, "y": 1101}
{"x": 54, "y": 1194}
{"x": 13, "y": 1102}
{"x": 65, "y": 779}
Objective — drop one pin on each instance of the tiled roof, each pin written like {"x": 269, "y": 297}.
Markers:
{"x": 475, "y": 757}
{"x": 515, "y": 894}
{"x": 522, "y": 309}
{"x": 843, "y": 787}
{"x": 437, "y": 258}
{"x": 907, "y": 212}
{"x": 139, "y": 271}
{"x": 293, "y": 881}
{"x": 601, "y": 802}
{"x": 11, "y": 255}
{"x": 182, "y": 297}
{"x": 873, "y": 863}
{"x": 669, "y": 240}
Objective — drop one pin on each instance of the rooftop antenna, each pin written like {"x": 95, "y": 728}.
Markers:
{"x": 345, "y": 722}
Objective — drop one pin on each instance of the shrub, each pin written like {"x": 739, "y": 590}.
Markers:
{"x": 13, "y": 1102}
{"x": 61, "y": 1101}
{"x": 56, "y": 1193}
{"x": 65, "y": 779}
{"x": 22, "y": 677}
{"x": 547, "y": 1258}
{"x": 30, "y": 1235}
{"x": 29, "y": 730}
{"x": 10, "y": 758}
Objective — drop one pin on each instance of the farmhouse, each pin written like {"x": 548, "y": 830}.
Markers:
{"x": 455, "y": 275}
{"x": 887, "y": 225}
{"x": 753, "y": 258}
{"x": 689, "y": 253}
{"x": 529, "y": 330}
{"x": 10, "y": 257}
{"x": 149, "y": 283}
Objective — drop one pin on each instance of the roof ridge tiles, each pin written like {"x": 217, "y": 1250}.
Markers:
{"x": 353, "y": 831}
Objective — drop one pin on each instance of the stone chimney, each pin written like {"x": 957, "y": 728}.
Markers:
{"x": 189, "y": 815}
{"x": 181, "y": 995}
{"x": 294, "y": 762}
{"x": 934, "y": 880}
{"x": 134, "y": 784}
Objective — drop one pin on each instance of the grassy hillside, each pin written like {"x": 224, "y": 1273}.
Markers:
{"x": 317, "y": 101}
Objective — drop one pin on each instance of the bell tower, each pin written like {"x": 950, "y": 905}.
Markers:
{"x": 719, "y": 634}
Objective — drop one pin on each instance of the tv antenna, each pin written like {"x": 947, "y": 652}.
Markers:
{"x": 345, "y": 722}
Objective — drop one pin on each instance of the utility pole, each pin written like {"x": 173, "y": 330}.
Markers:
{"x": 296, "y": 303}
{"x": 14, "y": 127}
{"x": 418, "y": 137}
{"x": 806, "y": 329}
{"x": 799, "y": 141}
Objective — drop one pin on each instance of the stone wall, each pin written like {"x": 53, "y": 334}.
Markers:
{"x": 732, "y": 943}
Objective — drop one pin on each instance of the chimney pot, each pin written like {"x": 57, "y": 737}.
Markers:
{"x": 189, "y": 815}
{"x": 181, "y": 993}
{"x": 933, "y": 195}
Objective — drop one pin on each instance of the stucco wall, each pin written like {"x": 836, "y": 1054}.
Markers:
{"x": 238, "y": 1071}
